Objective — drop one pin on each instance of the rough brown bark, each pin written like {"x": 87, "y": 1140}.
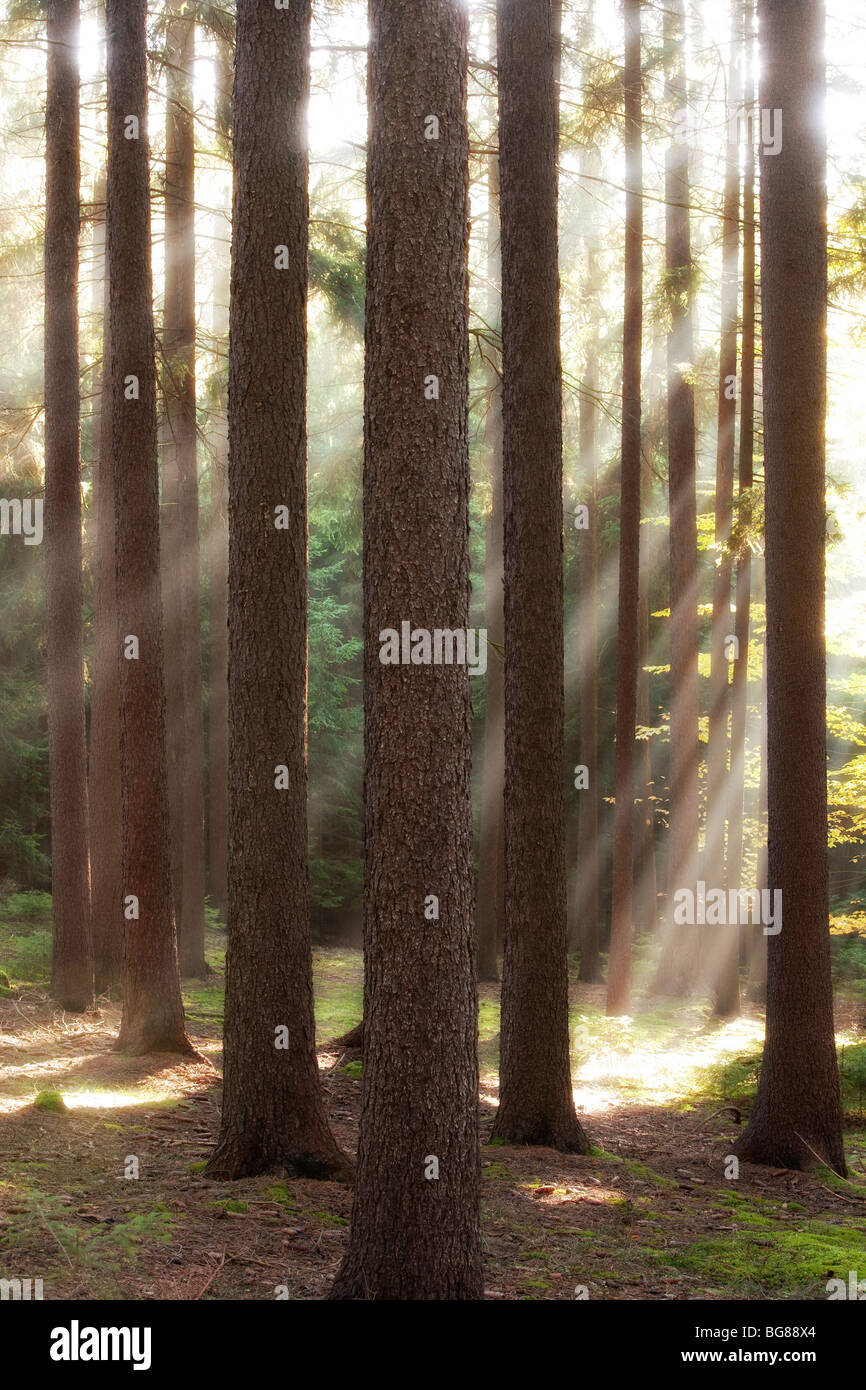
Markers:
{"x": 797, "y": 1112}
{"x": 273, "y": 1114}
{"x": 536, "y": 1102}
{"x": 724, "y": 958}
{"x": 628, "y": 628}
{"x": 72, "y": 951}
{"x": 415, "y": 1235}
{"x": 678, "y": 965}
{"x": 152, "y": 1009}
{"x": 181, "y": 584}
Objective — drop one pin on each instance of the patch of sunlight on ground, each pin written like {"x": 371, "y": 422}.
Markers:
{"x": 112, "y": 1100}
{"x": 614, "y": 1072}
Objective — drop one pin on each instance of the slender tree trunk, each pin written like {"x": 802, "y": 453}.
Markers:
{"x": 491, "y": 871}
{"x": 415, "y": 1230}
{"x": 273, "y": 1114}
{"x": 152, "y": 1010}
{"x": 645, "y": 882}
{"x": 181, "y": 584}
{"x": 678, "y": 965}
{"x": 536, "y": 1103}
{"x": 797, "y": 1112}
{"x": 105, "y": 807}
{"x": 628, "y": 629}
{"x": 218, "y": 556}
{"x": 740, "y": 676}
{"x": 725, "y": 957}
{"x": 588, "y": 907}
{"x": 72, "y": 951}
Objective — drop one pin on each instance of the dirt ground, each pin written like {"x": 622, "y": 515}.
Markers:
{"x": 649, "y": 1214}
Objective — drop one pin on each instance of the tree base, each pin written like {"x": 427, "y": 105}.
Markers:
{"x": 788, "y": 1149}
{"x": 566, "y": 1136}
{"x": 351, "y": 1041}
{"x": 236, "y": 1156}
{"x": 141, "y": 1042}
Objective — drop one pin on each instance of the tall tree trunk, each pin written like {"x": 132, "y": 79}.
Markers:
{"x": 724, "y": 959}
{"x": 797, "y": 1112}
{"x": 678, "y": 965}
{"x": 645, "y": 881}
{"x": 72, "y": 951}
{"x": 740, "y": 675}
{"x": 181, "y": 582}
{"x": 105, "y": 808}
{"x": 628, "y": 629}
{"x": 588, "y": 907}
{"x": 536, "y": 1103}
{"x": 218, "y": 553}
{"x": 415, "y": 1230}
{"x": 491, "y": 869}
{"x": 272, "y": 1114}
{"x": 152, "y": 1009}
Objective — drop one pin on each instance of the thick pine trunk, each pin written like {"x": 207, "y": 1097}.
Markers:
{"x": 152, "y": 1009}
{"x": 415, "y": 1230}
{"x": 797, "y": 1112}
{"x": 678, "y": 966}
{"x": 273, "y": 1114}
{"x": 72, "y": 952}
{"x": 536, "y": 1101}
{"x": 628, "y": 628}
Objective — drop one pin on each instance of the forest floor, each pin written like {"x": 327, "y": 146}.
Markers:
{"x": 648, "y": 1214}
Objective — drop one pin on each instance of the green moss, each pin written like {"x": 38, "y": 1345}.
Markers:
{"x": 51, "y": 1101}
{"x": 325, "y": 1218}
{"x": 281, "y": 1194}
{"x": 495, "y": 1170}
{"x": 353, "y": 1068}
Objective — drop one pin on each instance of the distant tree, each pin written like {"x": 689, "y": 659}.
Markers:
{"x": 536, "y": 1102}
{"x": 628, "y": 627}
{"x": 491, "y": 866}
{"x": 181, "y": 586}
{"x": 797, "y": 1115}
{"x": 72, "y": 955}
{"x": 105, "y": 806}
{"x": 677, "y": 968}
{"x": 724, "y": 959}
{"x": 273, "y": 1114}
{"x": 152, "y": 1018}
{"x": 745, "y": 483}
{"x": 218, "y": 553}
{"x": 415, "y": 1230}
